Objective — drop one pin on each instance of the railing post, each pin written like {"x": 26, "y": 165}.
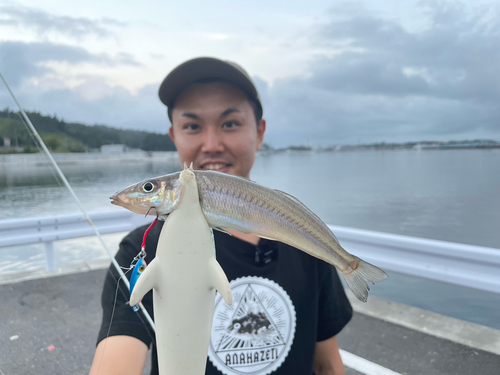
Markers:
{"x": 50, "y": 264}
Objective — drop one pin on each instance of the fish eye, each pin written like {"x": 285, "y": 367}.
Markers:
{"x": 141, "y": 268}
{"x": 148, "y": 187}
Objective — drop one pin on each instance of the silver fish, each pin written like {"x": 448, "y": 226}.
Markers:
{"x": 229, "y": 201}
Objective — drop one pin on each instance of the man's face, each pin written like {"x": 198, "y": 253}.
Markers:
{"x": 214, "y": 127}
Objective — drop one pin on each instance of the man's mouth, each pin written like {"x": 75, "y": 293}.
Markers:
{"x": 214, "y": 166}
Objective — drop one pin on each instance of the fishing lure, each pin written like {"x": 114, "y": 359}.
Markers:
{"x": 139, "y": 268}
{"x": 139, "y": 263}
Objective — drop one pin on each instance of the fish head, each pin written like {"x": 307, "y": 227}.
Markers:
{"x": 156, "y": 196}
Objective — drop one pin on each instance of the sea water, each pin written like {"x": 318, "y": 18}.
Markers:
{"x": 449, "y": 195}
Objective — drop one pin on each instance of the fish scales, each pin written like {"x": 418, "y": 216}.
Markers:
{"x": 233, "y": 202}
{"x": 271, "y": 214}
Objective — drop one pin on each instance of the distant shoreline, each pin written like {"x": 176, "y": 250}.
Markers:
{"x": 439, "y": 148}
{"x": 377, "y": 148}
{"x": 39, "y": 159}
{"x": 86, "y": 158}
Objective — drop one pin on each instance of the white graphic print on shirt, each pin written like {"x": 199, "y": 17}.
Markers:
{"x": 255, "y": 334}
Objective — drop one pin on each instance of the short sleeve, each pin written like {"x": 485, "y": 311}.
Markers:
{"x": 334, "y": 309}
{"x": 118, "y": 317}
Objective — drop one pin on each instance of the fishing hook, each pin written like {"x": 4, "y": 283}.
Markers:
{"x": 149, "y": 209}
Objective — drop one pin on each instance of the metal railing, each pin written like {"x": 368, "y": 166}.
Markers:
{"x": 472, "y": 266}
{"x": 47, "y": 229}
{"x": 467, "y": 265}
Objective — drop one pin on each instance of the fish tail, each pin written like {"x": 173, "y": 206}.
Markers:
{"x": 359, "y": 278}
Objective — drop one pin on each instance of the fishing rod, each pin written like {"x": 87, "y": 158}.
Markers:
{"x": 65, "y": 181}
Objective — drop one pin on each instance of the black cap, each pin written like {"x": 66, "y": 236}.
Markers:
{"x": 201, "y": 68}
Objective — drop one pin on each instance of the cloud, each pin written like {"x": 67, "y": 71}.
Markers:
{"x": 373, "y": 80}
{"x": 118, "y": 107}
{"x": 123, "y": 58}
{"x": 43, "y": 22}
{"x": 115, "y": 106}
{"x": 390, "y": 84}
{"x": 453, "y": 58}
{"x": 38, "y": 86}
{"x": 157, "y": 56}
{"x": 22, "y": 61}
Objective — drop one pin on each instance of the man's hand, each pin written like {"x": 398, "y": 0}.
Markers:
{"x": 327, "y": 360}
{"x": 119, "y": 355}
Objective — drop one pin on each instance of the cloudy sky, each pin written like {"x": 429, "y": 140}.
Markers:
{"x": 339, "y": 72}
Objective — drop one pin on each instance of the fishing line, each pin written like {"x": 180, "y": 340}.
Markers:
{"x": 40, "y": 144}
{"x": 113, "y": 314}
{"x": 66, "y": 183}
{"x": 32, "y": 136}
{"x": 126, "y": 271}
{"x": 111, "y": 320}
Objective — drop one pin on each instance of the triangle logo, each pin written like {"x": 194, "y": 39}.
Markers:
{"x": 255, "y": 334}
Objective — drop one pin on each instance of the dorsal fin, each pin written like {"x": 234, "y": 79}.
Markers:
{"x": 240, "y": 177}
{"x": 225, "y": 175}
{"x": 307, "y": 209}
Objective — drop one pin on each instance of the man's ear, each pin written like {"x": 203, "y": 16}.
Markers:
{"x": 261, "y": 129}
{"x": 171, "y": 133}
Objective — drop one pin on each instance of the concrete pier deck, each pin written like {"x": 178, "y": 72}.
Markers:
{"x": 48, "y": 325}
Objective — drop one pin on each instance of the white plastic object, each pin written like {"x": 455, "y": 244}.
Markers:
{"x": 183, "y": 275}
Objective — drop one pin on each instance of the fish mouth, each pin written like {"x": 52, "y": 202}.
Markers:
{"x": 115, "y": 201}
{"x": 125, "y": 203}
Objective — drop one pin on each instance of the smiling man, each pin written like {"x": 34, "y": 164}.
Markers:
{"x": 288, "y": 306}
{"x": 214, "y": 127}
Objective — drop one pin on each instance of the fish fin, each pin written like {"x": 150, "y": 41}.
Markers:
{"x": 246, "y": 179}
{"x": 219, "y": 281}
{"x": 144, "y": 283}
{"x": 266, "y": 238}
{"x": 359, "y": 278}
{"x": 307, "y": 209}
{"x": 225, "y": 175}
{"x": 222, "y": 230}
{"x": 232, "y": 176}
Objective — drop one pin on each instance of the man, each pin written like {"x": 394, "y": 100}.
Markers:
{"x": 290, "y": 305}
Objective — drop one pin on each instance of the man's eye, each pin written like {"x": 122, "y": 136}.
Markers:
{"x": 229, "y": 125}
{"x": 191, "y": 127}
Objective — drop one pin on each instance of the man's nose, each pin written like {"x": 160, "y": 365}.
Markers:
{"x": 212, "y": 141}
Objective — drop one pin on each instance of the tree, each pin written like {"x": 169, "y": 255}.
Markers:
{"x": 53, "y": 142}
{"x": 157, "y": 142}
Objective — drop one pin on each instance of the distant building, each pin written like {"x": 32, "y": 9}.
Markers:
{"x": 6, "y": 142}
{"x": 115, "y": 149}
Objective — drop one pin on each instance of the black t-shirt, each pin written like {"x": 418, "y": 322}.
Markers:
{"x": 280, "y": 310}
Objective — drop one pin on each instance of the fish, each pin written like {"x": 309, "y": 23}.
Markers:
{"x": 139, "y": 268}
{"x": 234, "y": 202}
